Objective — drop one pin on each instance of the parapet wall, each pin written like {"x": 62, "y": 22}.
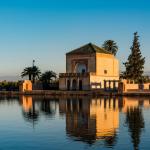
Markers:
{"x": 127, "y": 85}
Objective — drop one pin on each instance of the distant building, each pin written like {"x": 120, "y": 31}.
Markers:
{"x": 25, "y": 85}
{"x": 89, "y": 67}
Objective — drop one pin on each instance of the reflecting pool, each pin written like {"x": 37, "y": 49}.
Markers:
{"x": 45, "y": 123}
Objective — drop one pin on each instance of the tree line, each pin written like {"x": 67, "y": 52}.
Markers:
{"x": 48, "y": 79}
{"x": 35, "y": 74}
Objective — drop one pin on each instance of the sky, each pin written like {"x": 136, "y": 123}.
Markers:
{"x": 44, "y": 30}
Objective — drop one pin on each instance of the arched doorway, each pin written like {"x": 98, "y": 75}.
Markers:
{"x": 74, "y": 85}
{"x": 80, "y": 85}
{"x": 68, "y": 85}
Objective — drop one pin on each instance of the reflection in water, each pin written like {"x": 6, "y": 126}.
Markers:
{"x": 48, "y": 108}
{"x": 27, "y": 103}
{"x": 32, "y": 106}
{"x": 30, "y": 113}
{"x": 135, "y": 121}
{"x": 90, "y": 119}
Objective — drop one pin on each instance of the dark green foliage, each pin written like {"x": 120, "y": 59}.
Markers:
{"x": 32, "y": 72}
{"x": 9, "y": 86}
{"x": 110, "y": 46}
{"x": 48, "y": 76}
{"x": 49, "y": 81}
{"x": 135, "y": 63}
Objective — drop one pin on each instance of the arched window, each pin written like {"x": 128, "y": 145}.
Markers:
{"x": 80, "y": 68}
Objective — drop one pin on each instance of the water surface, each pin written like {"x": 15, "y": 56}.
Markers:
{"x": 28, "y": 123}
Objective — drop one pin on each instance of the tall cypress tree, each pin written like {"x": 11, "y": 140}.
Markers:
{"x": 135, "y": 62}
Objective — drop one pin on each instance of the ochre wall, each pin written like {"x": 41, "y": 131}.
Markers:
{"x": 100, "y": 79}
{"x": 26, "y": 85}
{"x": 107, "y": 62}
{"x": 132, "y": 86}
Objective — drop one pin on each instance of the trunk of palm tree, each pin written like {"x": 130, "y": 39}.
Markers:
{"x": 33, "y": 79}
{"x": 30, "y": 77}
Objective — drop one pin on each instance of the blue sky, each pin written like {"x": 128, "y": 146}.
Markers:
{"x": 45, "y": 30}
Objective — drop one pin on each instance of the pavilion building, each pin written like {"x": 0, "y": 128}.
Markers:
{"x": 89, "y": 67}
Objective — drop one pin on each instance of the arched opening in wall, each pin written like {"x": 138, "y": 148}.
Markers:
{"x": 68, "y": 85}
{"x": 80, "y": 85}
{"x": 74, "y": 85}
{"x": 80, "y": 68}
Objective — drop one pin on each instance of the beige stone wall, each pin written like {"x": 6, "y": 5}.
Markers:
{"x": 26, "y": 85}
{"x": 85, "y": 83}
{"x": 108, "y": 63}
{"x": 128, "y": 86}
{"x": 100, "y": 79}
{"x": 62, "y": 84}
{"x": 72, "y": 59}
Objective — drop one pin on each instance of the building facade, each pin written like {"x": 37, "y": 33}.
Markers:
{"x": 89, "y": 67}
{"x": 25, "y": 85}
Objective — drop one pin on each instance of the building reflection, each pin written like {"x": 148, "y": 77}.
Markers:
{"x": 91, "y": 119}
{"x": 30, "y": 113}
{"x": 132, "y": 102}
{"x": 33, "y": 107}
{"x": 27, "y": 103}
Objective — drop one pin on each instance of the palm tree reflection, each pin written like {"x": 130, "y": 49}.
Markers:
{"x": 48, "y": 107}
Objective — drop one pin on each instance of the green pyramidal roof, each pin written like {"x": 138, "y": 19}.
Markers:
{"x": 88, "y": 49}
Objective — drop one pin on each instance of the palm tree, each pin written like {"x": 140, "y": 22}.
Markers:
{"x": 48, "y": 76}
{"x": 32, "y": 72}
{"x": 110, "y": 46}
{"x": 27, "y": 72}
{"x": 35, "y": 73}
